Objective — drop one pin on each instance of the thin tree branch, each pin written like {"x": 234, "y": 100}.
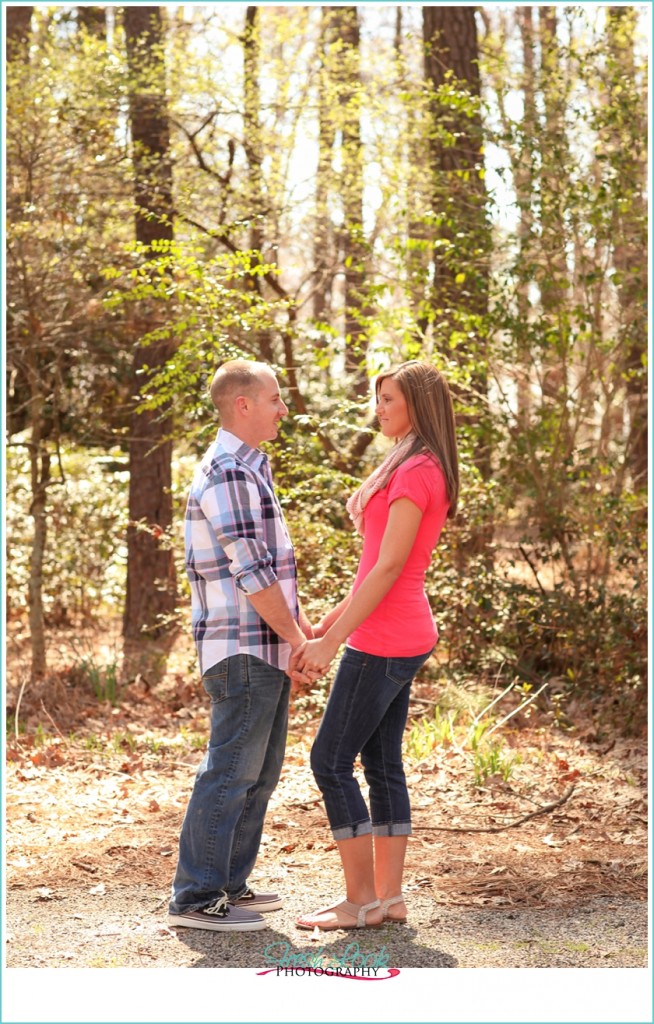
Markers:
{"x": 545, "y": 809}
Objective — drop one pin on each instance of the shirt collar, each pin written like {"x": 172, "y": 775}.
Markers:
{"x": 253, "y": 457}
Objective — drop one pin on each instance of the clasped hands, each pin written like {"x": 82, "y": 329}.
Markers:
{"x": 310, "y": 660}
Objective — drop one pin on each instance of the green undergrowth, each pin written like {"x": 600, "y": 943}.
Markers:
{"x": 469, "y": 721}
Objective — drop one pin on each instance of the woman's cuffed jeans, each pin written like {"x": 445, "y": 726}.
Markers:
{"x": 366, "y": 714}
{"x": 222, "y": 827}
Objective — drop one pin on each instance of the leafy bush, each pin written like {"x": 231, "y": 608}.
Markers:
{"x": 84, "y": 573}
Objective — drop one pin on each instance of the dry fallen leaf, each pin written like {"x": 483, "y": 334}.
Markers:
{"x": 549, "y": 840}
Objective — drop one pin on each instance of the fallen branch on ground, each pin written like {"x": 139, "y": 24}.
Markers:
{"x": 545, "y": 809}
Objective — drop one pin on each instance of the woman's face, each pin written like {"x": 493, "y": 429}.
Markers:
{"x": 391, "y": 410}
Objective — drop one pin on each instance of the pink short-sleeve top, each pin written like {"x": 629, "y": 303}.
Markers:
{"x": 402, "y": 624}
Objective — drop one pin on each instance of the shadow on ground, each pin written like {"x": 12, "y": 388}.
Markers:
{"x": 367, "y": 949}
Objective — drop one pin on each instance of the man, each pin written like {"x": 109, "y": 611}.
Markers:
{"x": 246, "y": 624}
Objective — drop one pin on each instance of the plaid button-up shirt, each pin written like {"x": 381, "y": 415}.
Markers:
{"x": 237, "y": 543}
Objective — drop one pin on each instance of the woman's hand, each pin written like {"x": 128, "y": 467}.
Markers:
{"x": 300, "y": 681}
{"x": 316, "y": 656}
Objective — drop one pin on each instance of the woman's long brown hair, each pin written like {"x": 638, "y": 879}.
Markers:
{"x": 431, "y": 413}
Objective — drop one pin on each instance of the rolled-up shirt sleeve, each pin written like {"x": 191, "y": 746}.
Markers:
{"x": 233, "y": 507}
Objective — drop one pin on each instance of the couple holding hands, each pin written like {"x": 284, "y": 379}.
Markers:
{"x": 254, "y": 642}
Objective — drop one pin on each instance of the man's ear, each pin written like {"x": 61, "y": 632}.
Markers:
{"x": 241, "y": 404}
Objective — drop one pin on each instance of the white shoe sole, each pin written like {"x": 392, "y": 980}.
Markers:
{"x": 260, "y": 908}
{"x": 180, "y": 921}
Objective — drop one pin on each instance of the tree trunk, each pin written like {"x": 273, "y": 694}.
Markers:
{"x": 18, "y": 30}
{"x": 554, "y": 273}
{"x": 252, "y": 98}
{"x": 324, "y": 250}
{"x": 344, "y": 26}
{"x": 460, "y": 262}
{"x": 151, "y": 590}
{"x": 93, "y": 19}
{"x": 456, "y": 159}
{"x": 19, "y": 20}
{"x": 523, "y": 173}
{"x": 397, "y": 41}
{"x": 461, "y": 253}
{"x": 630, "y": 232}
{"x": 40, "y": 473}
{"x": 41, "y": 426}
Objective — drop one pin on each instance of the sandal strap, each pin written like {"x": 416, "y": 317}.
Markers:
{"x": 325, "y": 910}
{"x": 351, "y": 909}
{"x": 391, "y": 901}
{"x": 359, "y": 912}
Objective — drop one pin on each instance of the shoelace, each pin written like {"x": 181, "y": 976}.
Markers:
{"x": 219, "y": 906}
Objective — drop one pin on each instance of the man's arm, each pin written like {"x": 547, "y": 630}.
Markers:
{"x": 233, "y": 507}
{"x": 271, "y": 605}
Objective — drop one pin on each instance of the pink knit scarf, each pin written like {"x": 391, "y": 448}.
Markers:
{"x": 377, "y": 481}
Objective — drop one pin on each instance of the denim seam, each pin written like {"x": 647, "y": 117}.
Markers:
{"x": 362, "y": 668}
{"x": 217, "y": 811}
{"x": 389, "y": 801}
{"x": 237, "y": 838}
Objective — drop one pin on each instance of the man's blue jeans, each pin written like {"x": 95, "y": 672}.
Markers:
{"x": 222, "y": 827}
{"x": 366, "y": 714}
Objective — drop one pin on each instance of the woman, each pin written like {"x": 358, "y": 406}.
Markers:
{"x": 387, "y": 622}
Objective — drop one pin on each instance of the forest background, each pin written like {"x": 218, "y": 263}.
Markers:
{"x": 332, "y": 189}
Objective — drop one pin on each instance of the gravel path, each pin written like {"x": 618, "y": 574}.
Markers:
{"x": 126, "y": 927}
{"x": 501, "y": 882}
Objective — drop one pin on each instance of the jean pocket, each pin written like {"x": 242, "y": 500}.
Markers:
{"x": 214, "y": 681}
{"x": 403, "y": 670}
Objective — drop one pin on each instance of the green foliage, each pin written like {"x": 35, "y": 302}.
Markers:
{"x": 431, "y": 732}
{"x": 102, "y": 679}
{"x": 455, "y": 728}
{"x": 490, "y": 761}
{"x": 124, "y": 741}
{"x": 205, "y": 305}
{"x": 67, "y": 217}
{"x": 84, "y": 573}
{"x": 533, "y": 307}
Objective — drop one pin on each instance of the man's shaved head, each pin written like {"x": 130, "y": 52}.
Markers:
{"x": 234, "y": 378}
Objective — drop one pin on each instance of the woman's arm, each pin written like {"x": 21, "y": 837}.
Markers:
{"x": 330, "y": 618}
{"x": 401, "y": 530}
{"x": 304, "y": 624}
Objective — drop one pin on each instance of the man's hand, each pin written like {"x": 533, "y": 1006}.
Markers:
{"x": 315, "y": 657}
{"x": 301, "y": 681}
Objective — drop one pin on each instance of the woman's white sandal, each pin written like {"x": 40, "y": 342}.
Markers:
{"x": 353, "y": 910}
{"x": 385, "y": 904}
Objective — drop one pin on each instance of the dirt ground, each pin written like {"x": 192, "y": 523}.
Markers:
{"x": 95, "y": 794}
